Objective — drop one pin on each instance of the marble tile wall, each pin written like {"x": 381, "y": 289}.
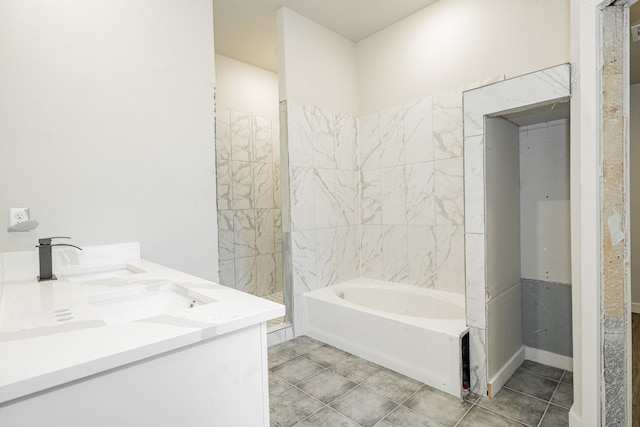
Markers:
{"x": 381, "y": 196}
{"x": 249, "y": 203}
{"x": 411, "y": 176}
{"x": 323, "y": 199}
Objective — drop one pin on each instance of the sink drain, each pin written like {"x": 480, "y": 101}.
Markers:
{"x": 63, "y": 315}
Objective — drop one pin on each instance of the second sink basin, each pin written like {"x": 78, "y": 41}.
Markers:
{"x": 138, "y": 303}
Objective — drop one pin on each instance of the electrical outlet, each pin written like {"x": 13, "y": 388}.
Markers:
{"x": 18, "y": 215}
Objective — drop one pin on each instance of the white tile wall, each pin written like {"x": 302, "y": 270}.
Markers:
{"x": 395, "y": 177}
{"x": 248, "y": 196}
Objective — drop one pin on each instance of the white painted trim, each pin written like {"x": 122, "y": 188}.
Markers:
{"x": 574, "y": 417}
{"x": 635, "y": 307}
{"x": 550, "y": 359}
{"x": 507, "y": 370}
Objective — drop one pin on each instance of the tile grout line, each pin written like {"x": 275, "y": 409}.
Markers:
{"x": 549, "y": 402}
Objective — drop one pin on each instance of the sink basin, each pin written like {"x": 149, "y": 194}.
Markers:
{"x": 96, "y": 272}
{"x": 142, "y": 302}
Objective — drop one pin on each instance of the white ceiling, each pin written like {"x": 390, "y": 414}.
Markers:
{"x": 246, "y": 29}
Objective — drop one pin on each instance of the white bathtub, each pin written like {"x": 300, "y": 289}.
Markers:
{"x": 415, "y": 331}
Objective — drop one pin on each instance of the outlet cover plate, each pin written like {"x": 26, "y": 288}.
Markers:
{"x": 18, "y": 215}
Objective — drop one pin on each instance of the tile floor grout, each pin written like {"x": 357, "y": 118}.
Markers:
{"x": 328, "y": 365}
{"x": 549, "y": 403}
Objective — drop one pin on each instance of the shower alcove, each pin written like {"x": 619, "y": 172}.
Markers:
{"x": 248, "y": 181}
{"x": 517, "y": 225}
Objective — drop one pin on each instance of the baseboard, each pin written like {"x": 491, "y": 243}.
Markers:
{"x": 635, "y": 307}
{"x": 574, "y": 419}
{"x": 507, "y": 370}
{"x": 550, "y": 359}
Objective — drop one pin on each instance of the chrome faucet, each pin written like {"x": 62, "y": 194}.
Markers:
{"x": 44, "y": 252}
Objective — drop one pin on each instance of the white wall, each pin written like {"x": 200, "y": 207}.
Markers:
{"x": 246, "y": 88}
{"x": 504, "y": 312}
{"x": 107, "y": 125}
{"x": 315, "y": 65}
{"x": 544, "y": 201}
{"x": 454, "y": 42}
{"x": 502, "y": 205}
{"x": 634, "y": 121}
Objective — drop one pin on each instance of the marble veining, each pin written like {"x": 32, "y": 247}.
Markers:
{"x": 263, "y": 185}
{"x": 396, "y": 174}
{"x": 447, "y": 124}
{"x": 304, "y": 261}
{"x": 241, "y": 143}
{"x": 227, "y": 273}
{"x": 418, "y": 130}
{"x": 277, "y": 230}
{"x": 277, "y": 195}
{"x": 474, "y": 184}
{"x": 246, "y": 275}
{"x": 244, "y": 231}
{"x": 395, "y": 253}
{"x": 265, "y": 231}
{"x": 391, "y": 137}
{"x": 302, "y": 198}
{"x": 368, "y": 142}
{"x": 420, "y": 196}
{"x": 475, "y": 281}
{"x": 450, "y": 258}
{"x": 422, "y": 256}
{"x": 337, "y": 261}
{"x": 223, "y": 135}
{"x": 371, "y": 196}
{"x": 265, "y": 274}
{"x": 249, "y": 200}
{"x": 394, "y": 195}
{"x": 224, "y": 184}
{"x": 449, "y": 190}
{"x": 371, "y": 251}
{"x": 262, "y": 140}
{"x": 528, "y": 90}
{"x": 226, "y": 236}
{"x": 300, "y": 135}
{"x": 242, "y": 175}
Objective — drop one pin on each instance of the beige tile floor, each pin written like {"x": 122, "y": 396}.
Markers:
{"x": 312, "y": 384}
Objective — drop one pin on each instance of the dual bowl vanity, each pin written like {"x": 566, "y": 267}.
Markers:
{"x": 118, "y": 340}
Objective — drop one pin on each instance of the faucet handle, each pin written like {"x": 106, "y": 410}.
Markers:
{"x": 47, "y": 240}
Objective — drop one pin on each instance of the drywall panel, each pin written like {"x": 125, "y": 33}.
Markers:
{"x": 107, "y": 126}
{"x": 504, "y": 332}
{"x": 634, "y": 171}
{"x": 544, "y": 202}
{"x": 546, "y": 316}
{"x": 453, "y": 42}
{"x": 315, "y": 65}
{"x": 502, "y": 205}
{"x": 246, "y": 88}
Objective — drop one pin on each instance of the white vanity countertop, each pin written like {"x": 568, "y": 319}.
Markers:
{"x": 50, "y": 334}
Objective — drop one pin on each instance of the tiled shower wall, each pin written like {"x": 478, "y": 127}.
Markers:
{"x": 380, "y": 196}
{"x": 412, "y": 212}
{"x": 249, "y": 203}
{"x": 323, "y": 197}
